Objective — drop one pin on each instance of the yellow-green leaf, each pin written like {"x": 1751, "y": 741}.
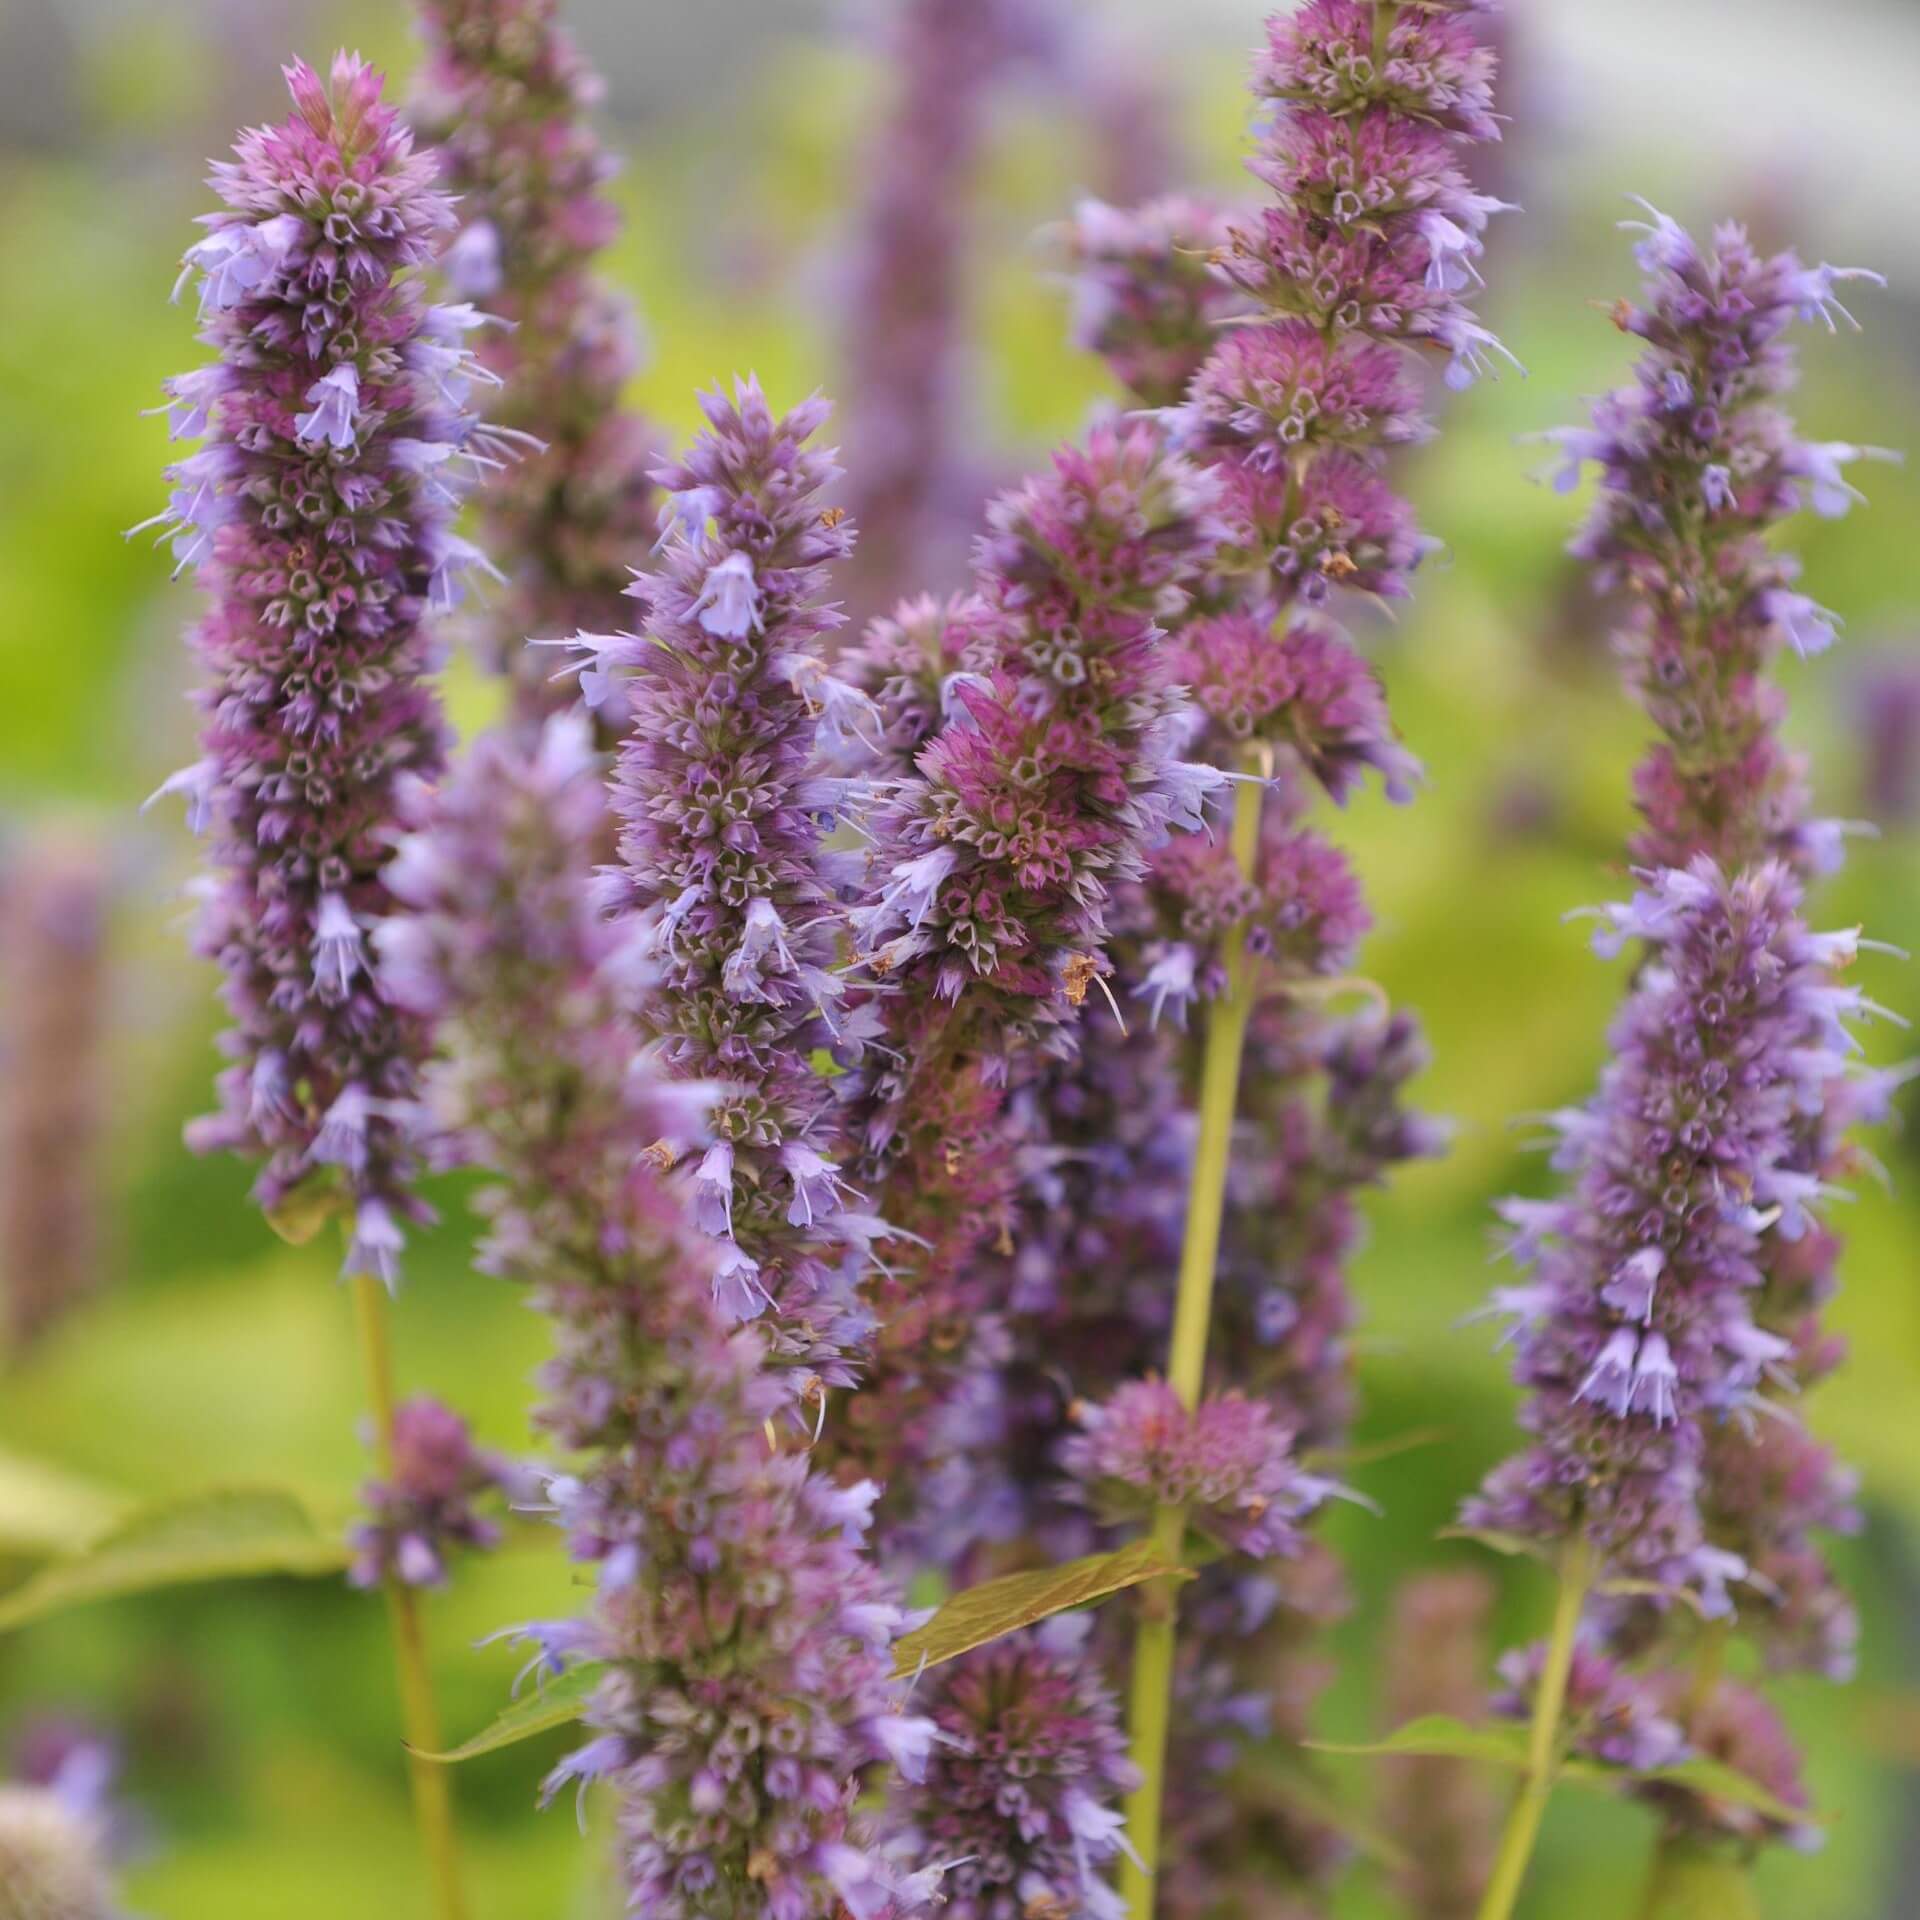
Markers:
{"x": 995, "y": 1607}
{"x": 44, "y": 1509}
{"x": 304, "y": 1214}
{"x": 553, "y": 1705}
{"x": 229, "y": 1533}
{"x": 1713, "y": 1778}
{"x": 1439, "y": 1736}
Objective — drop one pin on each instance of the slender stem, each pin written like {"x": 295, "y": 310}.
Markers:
{"x": 1151, "y": 1693}
{"x": 432, "y": 1790}
{"x": 1530, "y": 1803}
{"x": 1690, "y": 1881}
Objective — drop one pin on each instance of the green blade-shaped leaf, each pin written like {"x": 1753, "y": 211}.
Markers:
{"x": 1440, "y": 1736}
{"x": 46, "y": 1510}
{"x": 554, "y": 1705}
{"x": 230, "y": 1533}
{"x": 1710, "y": 1777}
{"x": 1002, "y": 1606}
{"x": 303, "y": 1214}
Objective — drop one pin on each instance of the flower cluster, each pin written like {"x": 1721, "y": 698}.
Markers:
{"x": 1636, "y": 1330}
{"x": 1021, "y": 1787}
{"x": 1145, "y": 296}
{"x": 1698, "y": 464}
{"x": 319, "y": 516}
{"x": 725, "y": 807}
{"x": 1227, "y": 1462}
{"x": 748, "y": 1698}
{"x": 427, "y": 1507}
{"x": 503, "y": 94}
{"x": 60, "y": 1831}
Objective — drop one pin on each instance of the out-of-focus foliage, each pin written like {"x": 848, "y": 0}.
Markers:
{"x": 258, "y": 1716}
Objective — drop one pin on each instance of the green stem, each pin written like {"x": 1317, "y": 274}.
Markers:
{"x": 1543, "y": 1743}
{"x": 1151, "y": 1692}
{"x": 420, "y": 1719}
{"x": 1694, "y": 1882}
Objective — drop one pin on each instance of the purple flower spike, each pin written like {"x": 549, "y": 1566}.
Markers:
{"x": 505, "y": 95}
{"x": 319, "y": 526}
{"x": 726, "y": 803}
{"x": 428, "y": 1509}
{"x": 1638, "y": 1339}
{"x": 748, "y": 1705}
{"x": 1698, "y": 464}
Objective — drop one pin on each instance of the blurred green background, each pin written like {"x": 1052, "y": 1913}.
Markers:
{"x": 258, "y": 1716}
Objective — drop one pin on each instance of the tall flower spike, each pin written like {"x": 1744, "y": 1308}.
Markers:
{"x": 1698, "y": 464}
{"x": 905, "y": 307}
{"x": 747, "y": 1702}
{"x": 319, "y": 517}
{"x": 504, "y": 96}
{"x": 55, "y": 894}
{"x": 725, "y": 806}
{"x": 984, "y": 916}
{"x": 1635, "y": 1331}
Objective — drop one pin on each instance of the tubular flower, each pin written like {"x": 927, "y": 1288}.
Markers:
{"x": 725, "y": 805}
{"x": 1145, "y": 297}
{"x": 748, "y": 1702}
{"x": 504, "y": 95}
{"x": 1636, "y": 1331}
{"x": 318, "y": 515}
{"x": 1228, "y": 1462}
{"x": 1022, "y": 1787}
{"x": 1698, "y": 464}
{"x": 428, "y": 1508}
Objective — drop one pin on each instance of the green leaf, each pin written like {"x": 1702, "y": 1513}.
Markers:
{"x": 1441, "y": 1737}
{"x": 1513, "y": 1545}
{"x": 995, "y": 1607}
{"x": 229, "y": 1533}
{"x": 556, "y": 1704}
{"x": 1714, "y": 1778}
{"x": 46, "y": 1510}
{"x": 304, "y": 1213}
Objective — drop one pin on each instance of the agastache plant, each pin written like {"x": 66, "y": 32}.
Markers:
{"x": 746, "y": 1698}
{"x": 1363, "y": 263}
{"x": 319, "y": 518}
{"x": 1664, "y": 1372}
{"x": 504, "y": 95}
{"x": 725, "y": 802}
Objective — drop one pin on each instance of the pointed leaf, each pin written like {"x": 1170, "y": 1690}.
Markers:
{"x": 1714, "y": 1778}
{"x": 996, "y": 1607}
{"x": 1440, "y": 1736}
{"x": 1513, "y": 1545}
{"x": 553, "y": 1705}
{"x": 304, "y": 1213}
{"x": 44, "y": 1509}
{"x": 230, "y": 1533}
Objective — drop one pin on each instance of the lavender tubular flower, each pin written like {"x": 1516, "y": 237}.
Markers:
{"x": 748, "y": 1701}
{"x": 1698, "y": 464}
{"x": 1636, "y": 1331}
{"x": 723, "y": 793}
{"x": 428, "y": 1509}
{"x": 318, "y": 517}
{"x": 504, "y": 96}
{"x": 1021, "y": 1788}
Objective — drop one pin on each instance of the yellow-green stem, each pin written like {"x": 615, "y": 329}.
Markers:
{"x": 1543, "y": 1743}
{"x": 1151, "y": 1693}
{"x": 1694, "y": 1882}
{"x": 419, "y": 1718}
